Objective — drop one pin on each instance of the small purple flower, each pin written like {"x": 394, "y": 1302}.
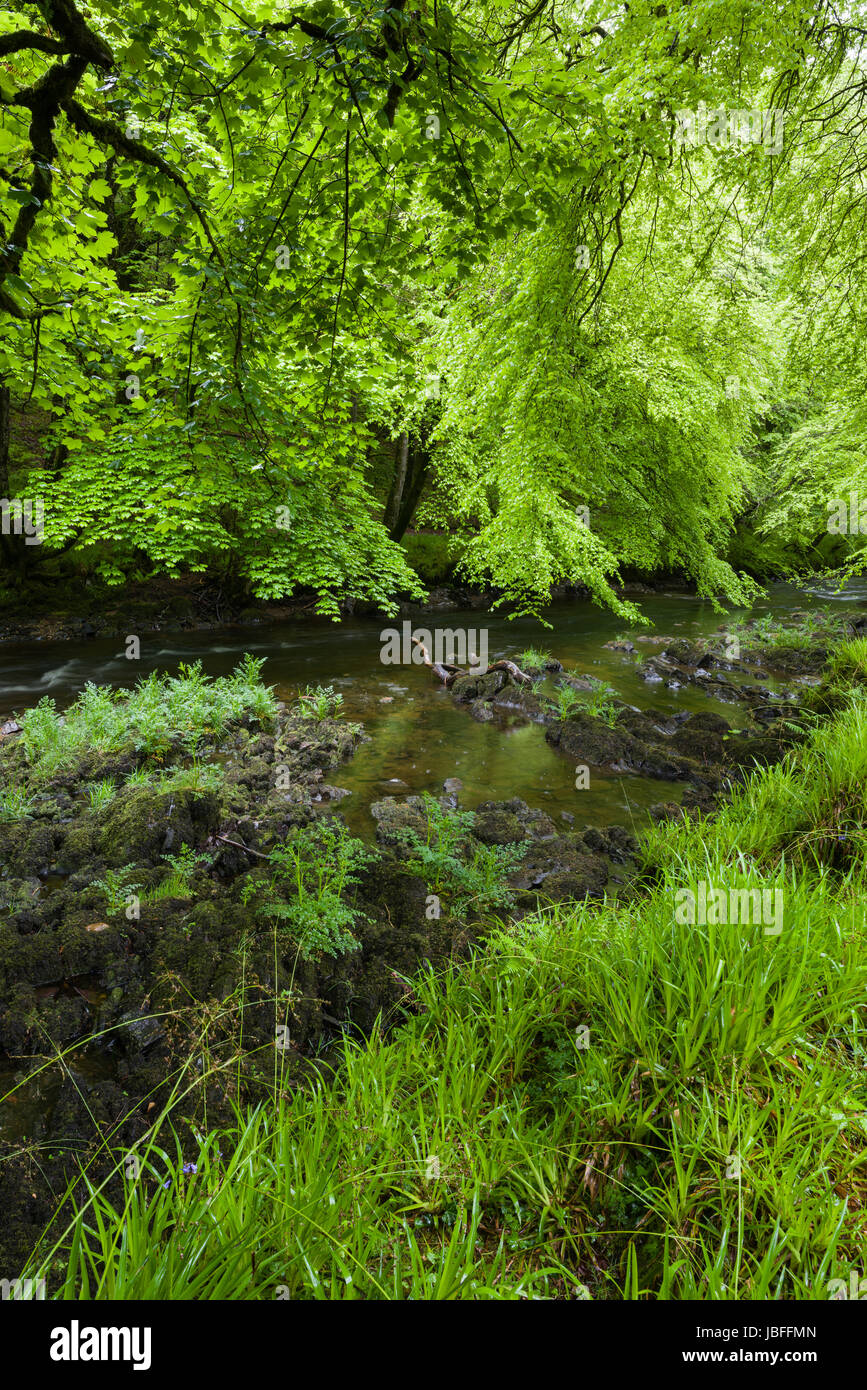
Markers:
{"x": 189, "y": 1168}
{"x": 167, "y": 1183}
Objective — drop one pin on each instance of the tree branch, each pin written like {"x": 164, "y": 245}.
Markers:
{"x": 107, "y": 133}
{"x": 23, "y": 38}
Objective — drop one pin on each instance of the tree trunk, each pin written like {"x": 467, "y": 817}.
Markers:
{"x": 395, "y": 496}
{"x": 413, "y": 485}
{"x": 5, "y": 413}
{"x": 410, "y": 472}
{"x": 11, "y": 548}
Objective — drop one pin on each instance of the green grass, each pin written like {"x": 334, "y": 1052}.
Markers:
{"x": 848, "y": 663}
{"x": 599, "y": 702}
{"x": 532, "y": 657}
{"x": 604, "y": 1102}
{"x": 178, "y": 883}
{"x": 14, "y": 804}
{"x": 140, "y": 777}
{"x": 808, "y": 811}
{"x": 159, "y": 711}
{"x": 100, "y": 794}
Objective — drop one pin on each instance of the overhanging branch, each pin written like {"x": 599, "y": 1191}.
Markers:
{"x": 107, "y": 133}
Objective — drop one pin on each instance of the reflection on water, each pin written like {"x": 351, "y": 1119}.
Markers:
{"x": 418, "y": 737}
{"x": 27, "y": 1104}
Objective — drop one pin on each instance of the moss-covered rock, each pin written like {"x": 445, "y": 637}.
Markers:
{"x": 479, "y": 687}
{"x": 702, "y": 737}
{"x": 594, "y": 743}
{"x": 142, "y": 826}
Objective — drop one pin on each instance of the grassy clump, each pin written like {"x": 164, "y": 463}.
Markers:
{"x": 532, "y": 657}
{"x": 160, "y": 710}
{"x": 848, "y": 663}
{"x": 100, "y": 794}
{"x": 606, "y": 1102}
{"x": 600, "y": 702}
{"x": 15, "y": 804}
{"x": 807, "y": 812}
{"x": 178, "y": 883}
{"x": 798, "y": 634}
{"x": 845, "y": 670}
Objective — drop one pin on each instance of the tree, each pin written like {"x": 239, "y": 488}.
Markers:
{"x": 245, "y": 247}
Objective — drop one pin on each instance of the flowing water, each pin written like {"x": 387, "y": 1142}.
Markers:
{"x": 418, "y": 737}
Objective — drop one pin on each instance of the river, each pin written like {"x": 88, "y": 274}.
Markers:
{"x": 418, "y": 737}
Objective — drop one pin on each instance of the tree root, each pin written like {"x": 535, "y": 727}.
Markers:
{"x": 449, "y": 674}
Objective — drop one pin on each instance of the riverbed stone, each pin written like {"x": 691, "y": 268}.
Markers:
{"x": 519, "y": 699}
{"x": 498, "y": 824}
{"x": 479, "y": 687}
{"x": 137, "y": 823}
{"x": 394, "y": 817}
{"x": 702, "y": 737}
{"x": 593, "y": 742}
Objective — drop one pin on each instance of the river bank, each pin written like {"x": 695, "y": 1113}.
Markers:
{"x": 200, "y": 603}
{"x": 604, "y": 1098}
{"x": 144, "y": 908}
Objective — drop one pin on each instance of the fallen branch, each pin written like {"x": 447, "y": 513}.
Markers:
{"x": 514, "y": 671}
{"x": 448, "y": 674}
{"x": 237, "y": 845}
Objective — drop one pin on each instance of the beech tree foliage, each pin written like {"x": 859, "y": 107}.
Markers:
{"x": 579, "y": 285}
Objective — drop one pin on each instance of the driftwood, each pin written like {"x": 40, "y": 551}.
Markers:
{"x": 246, "y": 848}
{"x": 449, "y": 674}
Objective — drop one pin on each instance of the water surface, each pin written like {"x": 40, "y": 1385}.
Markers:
{"x": 418, "y": 736}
